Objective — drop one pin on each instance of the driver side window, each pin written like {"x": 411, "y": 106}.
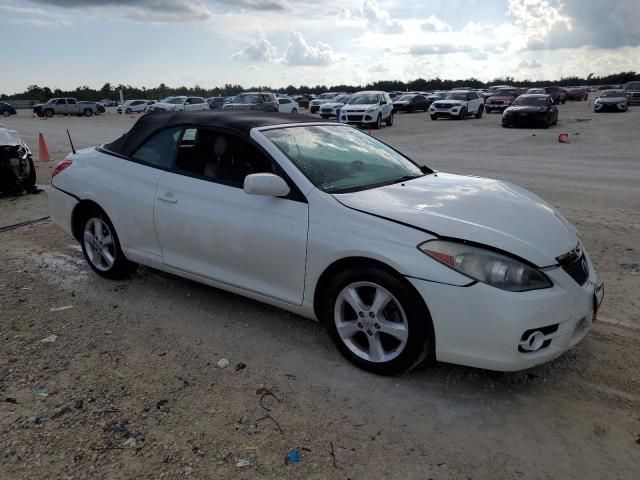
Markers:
{"x": 219, "y": 157}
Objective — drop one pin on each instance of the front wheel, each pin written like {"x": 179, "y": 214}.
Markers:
{"x": 5, "y": 113}
{"x": 127, "y": 111}
{"x": 390, "y": 120}
{"x": 377, "y": 322}
{"x": 48, "y": 112}
{"x": 378, "y": 123}
{"x": 480, "y": 111}
{"x": 433, "y": 117}
{"x": 463, "y": 114}
{"x": 88, "y": 112}
{"x": 325, "y": 116}
{"x": 294, "y": 111}
{"x": 101, "y": 247}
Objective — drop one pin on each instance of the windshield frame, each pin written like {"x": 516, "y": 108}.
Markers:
{"x": 356, "y": 96}
{"x": 544, "y": 101}
{"x": 271, "y": 146}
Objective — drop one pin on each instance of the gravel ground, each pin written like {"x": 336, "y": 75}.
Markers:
{"x": 131, "y": 387}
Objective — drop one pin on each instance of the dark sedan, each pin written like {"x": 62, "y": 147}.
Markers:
{"x": 536, "y": 110}
{"x": 6, "y": 110}
{"x": 578, "y": 94}
{"x": 302, "y": 100}
{"x": 411, "y": 103}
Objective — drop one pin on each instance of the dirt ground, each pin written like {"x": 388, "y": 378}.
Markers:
{"x": 131, "y": 387}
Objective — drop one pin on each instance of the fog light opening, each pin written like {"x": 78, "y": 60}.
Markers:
{"x": 533, "y": 342}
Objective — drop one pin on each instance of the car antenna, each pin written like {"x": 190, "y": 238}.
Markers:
{"x": 71, "y": 142}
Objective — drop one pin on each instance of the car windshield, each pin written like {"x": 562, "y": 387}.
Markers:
{"x": 504, "y": 93}
{"x": 247, "y": 98}
{"x": 364, "y": 99}
{"x": 175, "y": 100}
{"x": 531, "y": 101}
{"x": 342, "y": 159}
{"x": 340, "y": 99}
{"x": 405, "y": 98}
{"x": 326, "y": 96}
{"x": 456, "y": 96}
{"x": 612, "y": 93}
{"x": 536, "y": 90}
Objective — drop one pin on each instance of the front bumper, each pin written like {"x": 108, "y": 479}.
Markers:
{"x": 358, "y": 118}
{"x": 450, "y": 113}
{"x": 314, "y": 108}
{"x": 610, "y": 107}
{"x": 518, "y": 118}
{"x": 497, "y": 107}
{"x": 484, "y": 327}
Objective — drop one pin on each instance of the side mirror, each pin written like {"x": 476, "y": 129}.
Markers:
{"x": 266, "y": 184}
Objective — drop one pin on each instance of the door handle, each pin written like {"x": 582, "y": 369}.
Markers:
{"x": 168, "y": 197}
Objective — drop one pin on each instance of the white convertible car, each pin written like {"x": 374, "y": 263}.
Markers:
{"x": 402, "y": 264}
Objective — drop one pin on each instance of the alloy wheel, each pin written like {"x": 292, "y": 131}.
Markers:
{"x": 371, "y": 322}
{"x": 99, "y": 244}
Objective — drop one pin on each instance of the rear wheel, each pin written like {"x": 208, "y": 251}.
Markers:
{"x": 101, "y": 246}
{"x": 376, "y": 321}
{"x": 488, "y": 110}
{"x": 88, "y": 112}
{"x": 295, "y": 110}
{"x": 127, "y": 111}
{"x": 390, "y": 120}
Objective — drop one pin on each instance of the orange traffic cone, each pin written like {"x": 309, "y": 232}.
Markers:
{"x": 43, "y": 151}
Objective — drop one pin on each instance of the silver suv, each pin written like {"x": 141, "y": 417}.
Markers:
{"x": 632, "y": 89}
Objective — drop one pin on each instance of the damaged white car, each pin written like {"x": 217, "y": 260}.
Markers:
{"x": 400, "y": 262}
{"x": 17, "y": 172}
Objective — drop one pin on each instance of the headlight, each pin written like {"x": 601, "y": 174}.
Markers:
{"x": 372, "y": 109}
{"x": 486, "y": 266}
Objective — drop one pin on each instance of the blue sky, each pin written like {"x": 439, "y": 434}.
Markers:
{"x": 67, "y": 43}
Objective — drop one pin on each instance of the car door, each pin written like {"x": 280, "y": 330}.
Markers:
{"x": 61, "y": 106}
{"x": 387, "y": 106}
{"x": 72, "y": 106}
{"x": 209, "y": 227}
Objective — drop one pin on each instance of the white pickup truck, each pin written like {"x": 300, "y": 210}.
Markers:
{"x": 65, "y": 106}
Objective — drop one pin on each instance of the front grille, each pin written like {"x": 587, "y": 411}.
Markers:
{"x": 496, "y": 102}
{"x": 578, "y": 269}
{"x": 354, "y": 118}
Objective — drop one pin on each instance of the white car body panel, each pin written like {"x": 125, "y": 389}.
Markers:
{"x": 275, "y": 250}
{"x": 228, "y": 240}
{"x": 289, "y": 107}
{"x": 351, "y": 113}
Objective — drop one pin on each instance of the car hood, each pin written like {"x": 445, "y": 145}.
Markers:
{"x": 525, "y": 109}
{"x": 9, "y": 138}
{"x": 611, "y": 100}
{"x": 489, "y": 212}
{"x": 504, "y": 99}
{"x": 450, "y": 102}
{"x": 360, "y": 107}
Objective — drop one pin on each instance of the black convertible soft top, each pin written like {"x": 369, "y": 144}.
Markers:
{"x": 240, "y": 123}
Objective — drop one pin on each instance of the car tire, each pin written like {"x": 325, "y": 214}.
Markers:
{"x": 294, "y": 111}
{"x": 389, "y": 121}
{"x": 488, "y": 110}
{"x": 87, "y": 112}
{"x": 325, "y": 116}
{"x": 48, "y": 113}
{"x": 480, "y": 112}
{"x": 127, "y": 111}
{"x": 110, "y": 263}
{"x": 463, "y": 114}
{"x": 433, "y": 117}
{"x": 6, "y": 113}
{"x": 378, "y": 123}
{"x": 386, "y": 341}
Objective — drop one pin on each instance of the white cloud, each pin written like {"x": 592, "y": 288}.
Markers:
{"x": 375, "y": 18}
{"x": 530, "y": 64}
{"x": 434, "y": 24}
{"x": 260, "y": 50}
{"x": 299, "y": 52}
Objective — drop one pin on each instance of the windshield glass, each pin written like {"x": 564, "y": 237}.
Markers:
{"x": 456, "y": 96}
{"x": 340, "y": 99}
{"x": 342, "y": 159}
{"x": 612, "y": 93}
{"x": 531, "y": 101}
{"x": 504, "y": 93}
{"x": 326, "y": 96}
{"x": 536, "y": 90}
{"x": 175, "y": 100}
{"x": 247, "y": 98}
{"x": 364, "y": 99}
{"x": 405, "y": 98}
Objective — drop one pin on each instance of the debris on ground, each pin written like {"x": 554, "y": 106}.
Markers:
{"x": 60, "y": 309}
{"x": 49, "y": 339}
{"x": 11, "y": 400}
{"x": 240, "y": 366}
{"x": 242, "y": 463}
{"x": 187, "y": 471}
{"x": 43, "y": 392}
{"x": 62, "y": 411}
{"x": 223, "y": 363}
{"x": 292, "y": 457}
